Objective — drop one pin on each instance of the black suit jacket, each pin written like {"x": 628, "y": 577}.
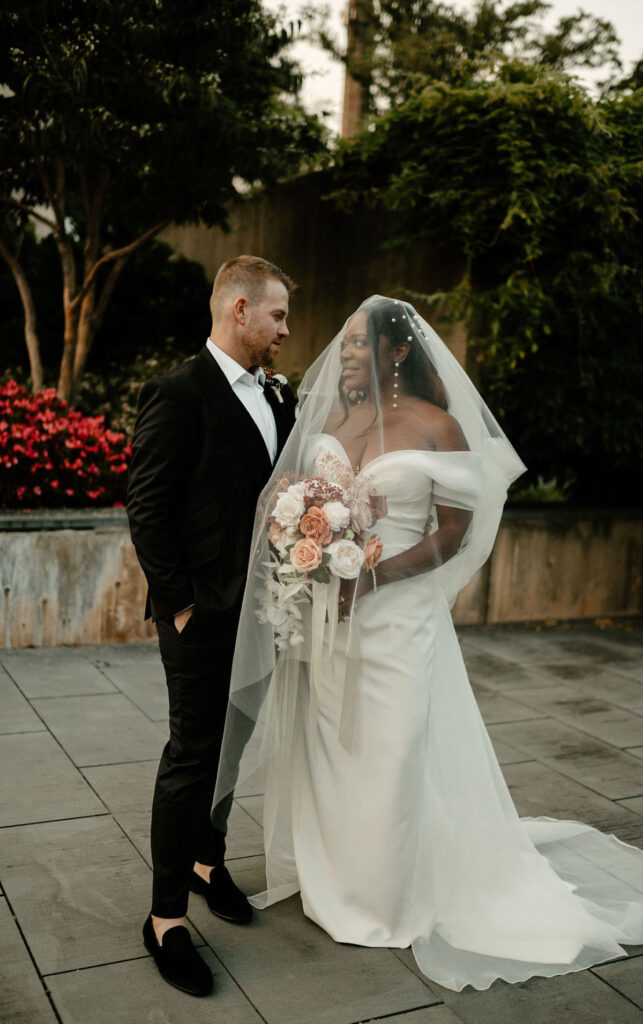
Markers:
{"x": 198, "y": 465}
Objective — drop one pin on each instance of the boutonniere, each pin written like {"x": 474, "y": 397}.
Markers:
{"x": 276, "y": 382}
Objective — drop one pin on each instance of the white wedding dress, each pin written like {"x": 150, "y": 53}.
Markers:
{"x": 411, "y": 838}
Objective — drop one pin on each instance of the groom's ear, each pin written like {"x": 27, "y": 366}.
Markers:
{"x": 240, "y": 310}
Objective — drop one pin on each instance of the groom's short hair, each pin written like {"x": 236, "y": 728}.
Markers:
{"x": 246, "y": 275}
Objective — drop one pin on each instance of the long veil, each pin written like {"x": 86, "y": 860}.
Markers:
{"x": 385, "y": 501}
{"x": 274, "y": 635}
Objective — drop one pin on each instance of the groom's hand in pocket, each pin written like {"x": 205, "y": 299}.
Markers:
{"x": 181, "y": 620}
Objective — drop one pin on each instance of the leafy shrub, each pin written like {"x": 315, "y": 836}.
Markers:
{"x": 114, "y": 394}
{"x": 540, "y": 187}
{"x": 541, "y": 492}
{"x": 52, "y": 456}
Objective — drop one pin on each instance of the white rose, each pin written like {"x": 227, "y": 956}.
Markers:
{"x": 289, "y": 508}
{"x": 280, "y": 377}
{"x": 346, "y": 559}
{"x": 338, "y": 515}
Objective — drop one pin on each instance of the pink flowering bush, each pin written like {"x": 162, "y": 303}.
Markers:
{"x": 52, "y": 456}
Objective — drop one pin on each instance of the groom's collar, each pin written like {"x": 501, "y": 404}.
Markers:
{"x": 233, "y": 370}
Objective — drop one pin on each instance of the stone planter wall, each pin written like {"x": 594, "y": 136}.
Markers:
{"x": 69, "y": 578}
{"x": 73, "y": 577}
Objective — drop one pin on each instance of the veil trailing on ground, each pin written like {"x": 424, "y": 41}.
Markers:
{"x": 386, "y": 383}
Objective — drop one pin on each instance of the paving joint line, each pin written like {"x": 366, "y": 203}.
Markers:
{"x": 399, "y": 1013}
{"x": 122, "y": 693}
{"x": 613, "y": 987}
{"x": 220, "y": 960}
{"x": 54, "y": 821}
{"x": 68, "y": 696}
{"x": 113, "y": 764}
{"x": 41, "y": 979}
{"x": 92, "y": 967}
{"x": 53, "y": 736}
{"x": 22, "y": 732}
{"x": 516, "y": 721}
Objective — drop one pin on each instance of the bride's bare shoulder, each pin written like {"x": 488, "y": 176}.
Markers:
{"x": 333, "y": 422}
{"x": 442, "y": 430}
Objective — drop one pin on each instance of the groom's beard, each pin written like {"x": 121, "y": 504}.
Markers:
{"x": 267, "y": 356}
{"x": 260, "y": 351}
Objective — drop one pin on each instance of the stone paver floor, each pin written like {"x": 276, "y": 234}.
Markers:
{"x": 81, "y": 730}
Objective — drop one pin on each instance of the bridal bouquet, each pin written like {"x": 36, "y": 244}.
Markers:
{"x": 318, "y": 530}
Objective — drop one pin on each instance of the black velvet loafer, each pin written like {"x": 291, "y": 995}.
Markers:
{"x": 178, "y": 961}
{"x": 222, "y": 896}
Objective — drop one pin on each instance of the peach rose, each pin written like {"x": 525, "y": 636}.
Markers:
{"x": 316, "y": 526}
{"x": 372, "y": 552}
{"x": 306, "y": 555}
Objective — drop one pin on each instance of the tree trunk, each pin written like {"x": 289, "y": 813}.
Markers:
{"x": 70, "y": 335}
{"x": 92, "y": 312}
{"x": 31, "y": 331}
{"x": 83, "y": 311}
{"x": 85, "y": 334}
{"x": 70, "y": 310}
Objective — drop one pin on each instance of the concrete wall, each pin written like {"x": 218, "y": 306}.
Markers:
{"x": 70, "y": 585}
{"x": 562, "y": 566}
{"x": 84, "y": 585}
{"x": 335, "y": 257}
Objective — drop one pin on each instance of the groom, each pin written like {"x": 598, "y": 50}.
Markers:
{"x": 206, "y": 438}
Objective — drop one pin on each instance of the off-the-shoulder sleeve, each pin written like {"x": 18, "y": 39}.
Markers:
{"x": 456, "y": 476}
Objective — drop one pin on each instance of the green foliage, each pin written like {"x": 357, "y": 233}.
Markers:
{"x": 170, "y": 100}
{"x": 162, "y": 305}
{"x": 540, "y": 187}
{"x": 541, "y": 492}
{"x": 114, "y": 393}
{"x": 400, "y": 43}
{"x": 120, "y": 116}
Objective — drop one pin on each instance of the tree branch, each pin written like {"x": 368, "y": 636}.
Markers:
{"x": 91, "y": 320}
{"x": 93, "y": 208}
{"x": 115, "y": 255}
{"x": 9, "y": 201}
{"x": 106, "y": 293}
{"x": 84, "y": 187}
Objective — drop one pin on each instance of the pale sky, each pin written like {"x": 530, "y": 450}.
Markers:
{"x": 324, "y": 83}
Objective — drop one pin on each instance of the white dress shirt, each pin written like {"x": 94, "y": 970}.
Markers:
{"x": 248, "y": 387}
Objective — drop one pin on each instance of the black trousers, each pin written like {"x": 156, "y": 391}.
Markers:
{"x": 197, "y": 665}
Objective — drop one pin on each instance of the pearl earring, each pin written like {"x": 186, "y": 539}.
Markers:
{"x": 395, "y": 385}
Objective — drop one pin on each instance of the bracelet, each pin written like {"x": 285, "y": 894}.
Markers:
{"x": 374, "y": 579}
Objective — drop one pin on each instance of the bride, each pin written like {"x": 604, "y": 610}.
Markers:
{"x": 350, "y": 707}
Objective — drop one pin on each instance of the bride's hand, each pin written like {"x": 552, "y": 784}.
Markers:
{"x": 351, "y": 591}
